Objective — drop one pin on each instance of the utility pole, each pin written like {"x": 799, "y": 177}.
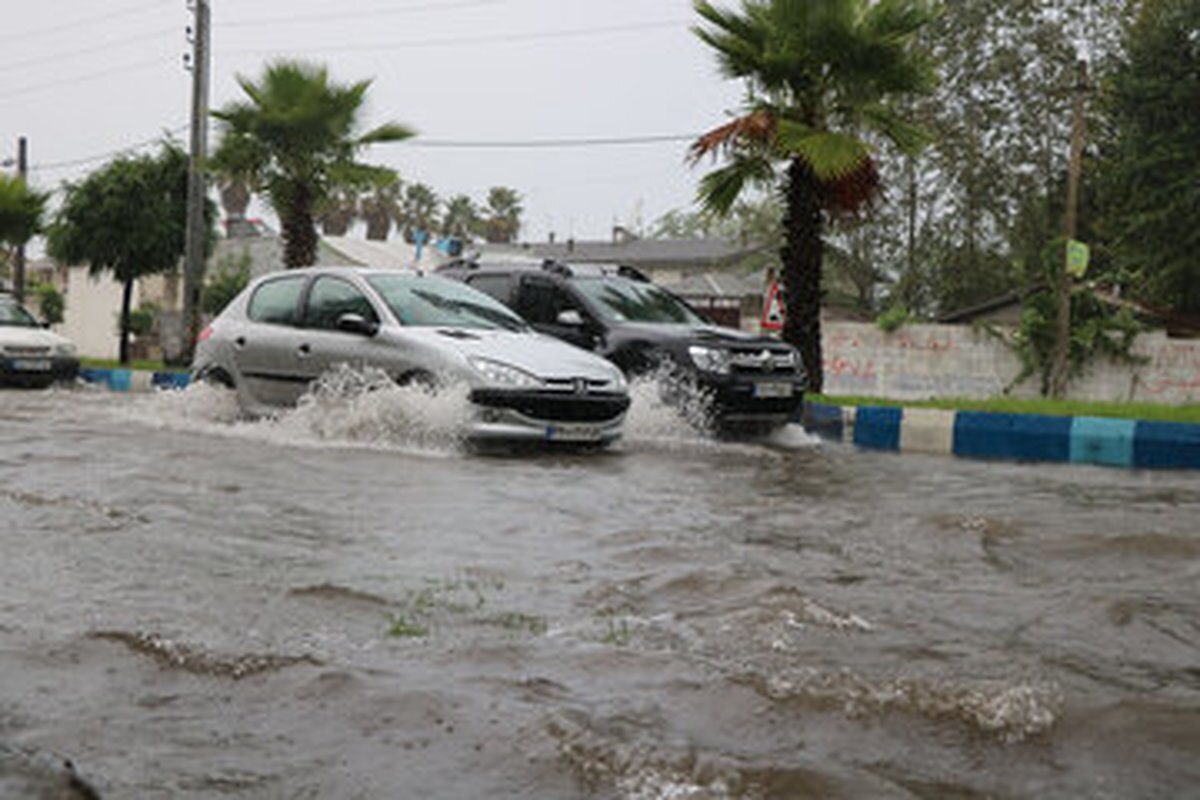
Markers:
{"x": 1062, "y": 340}
{"x": 19, "y": 260}
{"x": 193, "y": 269}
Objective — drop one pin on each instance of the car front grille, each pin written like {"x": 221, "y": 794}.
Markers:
{"x": 555, "y": 406}
{"x": 20, "y": 350}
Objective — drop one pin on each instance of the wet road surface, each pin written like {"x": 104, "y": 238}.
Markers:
{"x": 345, "y": 603}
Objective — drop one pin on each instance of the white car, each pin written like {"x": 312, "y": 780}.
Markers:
{"x": 31, "y": 355}
{"x": 286, "y": 329}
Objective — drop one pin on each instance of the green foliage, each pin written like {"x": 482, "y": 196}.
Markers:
{"x": 893, "y": 319}
{"x": 21, "y": 211}
{"x": 1151, "y": 172}
{"x": 51, "y": 304}
{"x": 418, "y": 210}
{"x": 229, "y": 277}
{"x": 295, "y": 139}
{"x": 1095, "y": 329}
{"x": 141, "y": 319}
{"x": 501, "y": 218}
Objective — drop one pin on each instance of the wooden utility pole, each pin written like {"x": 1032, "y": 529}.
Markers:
{"x": 19, "y": 258}
{"x": 193, "y": 269}
{"x": 1062, "y": 341}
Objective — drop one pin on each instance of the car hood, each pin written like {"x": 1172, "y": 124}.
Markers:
{"x": 534, "y": 353}
{"x": 30, "y": 337}
{"x": 698, "y": 334}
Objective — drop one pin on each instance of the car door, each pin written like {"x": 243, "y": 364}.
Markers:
{"x": 264, "y": 347}
{"x": 321, "y": 344}
{"x": 541, "y": 302}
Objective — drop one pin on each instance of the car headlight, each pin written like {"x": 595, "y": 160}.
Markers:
{"x": 710, "y": 359}
{"x": 66, "y": 349}
{"x": 618, "y": 380}
{"x": 498, "y": 372}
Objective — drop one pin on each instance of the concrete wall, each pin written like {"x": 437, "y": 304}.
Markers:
{"x": 919, "y": 362}
{"x": 92, "y": 313}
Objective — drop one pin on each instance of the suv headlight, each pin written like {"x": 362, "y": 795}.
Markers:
{"x": 498, "y": 372}
{"x": 710, "y": 359}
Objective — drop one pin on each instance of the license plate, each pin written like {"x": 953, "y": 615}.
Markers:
{"x": 572, "y": 432}
{"x": 31, "y": 364}
{"x": 773, "y": 389}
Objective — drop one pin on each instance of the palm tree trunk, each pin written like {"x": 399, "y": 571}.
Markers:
{"x": 300, "y": 231}
{"x": 126, "y": 302}
{"x": 801, "y": 257}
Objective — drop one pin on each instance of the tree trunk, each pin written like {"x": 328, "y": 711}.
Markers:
{"x": 299, "y": 231}
{"x": 379, "y": 224}
{"x": 801, "y": 258}
{"x": 126, "y": 302}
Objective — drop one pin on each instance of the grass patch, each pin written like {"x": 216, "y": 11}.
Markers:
{"x": 1011, "y": 405}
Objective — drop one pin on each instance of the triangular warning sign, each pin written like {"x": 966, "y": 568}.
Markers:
{"x": 772, "y": 316}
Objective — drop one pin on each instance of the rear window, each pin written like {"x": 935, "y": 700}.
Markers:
{"x": 275, "y": 301}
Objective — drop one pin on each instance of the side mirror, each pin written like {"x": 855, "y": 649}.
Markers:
{"x": 571, "y": 318}
{"x": 357, "y": 323}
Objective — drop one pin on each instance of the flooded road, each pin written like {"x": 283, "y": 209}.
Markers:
{"x": 344, "y": 603}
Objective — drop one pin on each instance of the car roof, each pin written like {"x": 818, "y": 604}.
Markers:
{"x": 559, "y": 268}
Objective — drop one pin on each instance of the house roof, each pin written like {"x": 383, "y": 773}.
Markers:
{"x": 715, "y": 284}
{"x": 699, "y": 253}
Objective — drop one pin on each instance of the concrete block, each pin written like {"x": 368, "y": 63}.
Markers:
{"x": 927, "y": 430}
{"x": 1018, "y": 437}
{"x": 1102, "y": 441}
{"x": 877, "y": 428}
{"x": 1166, "y": 445}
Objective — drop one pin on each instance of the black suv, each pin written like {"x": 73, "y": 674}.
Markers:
{"x": 754, "y": 383}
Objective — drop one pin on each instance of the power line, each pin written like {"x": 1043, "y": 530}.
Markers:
{"x": 540, "y": 144}
{"x": 34, "y": 88}
{"x": 82, "y": 22}
{"x": 76, "y": 162}
{"x": 500, "y": 38}
{"x": 111, "y": 44}
{"x": 358, "y": 14}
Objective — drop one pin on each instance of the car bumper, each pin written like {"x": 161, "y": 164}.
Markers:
{"x": 37, "y": 371}
{"x": 754, "y": 400}
{"x": 554, "y": 417}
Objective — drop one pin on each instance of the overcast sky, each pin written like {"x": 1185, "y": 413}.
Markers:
{"x": 86, "y": 79}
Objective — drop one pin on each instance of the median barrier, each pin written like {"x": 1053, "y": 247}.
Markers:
{"x": 1010, "y": 437}
{"x": 133, "y": 380}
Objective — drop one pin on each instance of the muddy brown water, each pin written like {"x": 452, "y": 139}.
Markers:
{"x": 344, "y": 603}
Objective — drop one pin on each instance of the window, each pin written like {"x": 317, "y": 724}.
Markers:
{"x": 15, "y": 315}
{"x": 330, "y": 298}
{"x": 493, "y": 285}
{"x": 542, "y": 301}
{"x": 619, "y": 299}
{"x": 275, "y": 301}
{"x": 426, "y": 301}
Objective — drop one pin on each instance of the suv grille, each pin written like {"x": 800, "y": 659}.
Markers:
{"x": 554, "y": 406}
{"x": 762, "y": 361}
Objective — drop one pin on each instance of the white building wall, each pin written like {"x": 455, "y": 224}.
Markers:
{"x": 93, "y": 308}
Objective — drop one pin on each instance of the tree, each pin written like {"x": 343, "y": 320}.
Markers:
{"x": 295, "y": 139}
{"x": 818, "y": 74}
{"x": 502, "y": 215}
{"x": 418, "y": 211}
{"x": 460, "y": 218}
{"x": 381, "y": 205}
{"x": 21, "y": 212}
{"x": 128, "y": 218}
{"x": 1152, "y": 173}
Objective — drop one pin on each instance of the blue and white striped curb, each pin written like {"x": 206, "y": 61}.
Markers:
{"x": 134, "y": 380}
{"x": 1012, "y": 437}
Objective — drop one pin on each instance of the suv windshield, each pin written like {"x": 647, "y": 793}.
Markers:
{"x": 623, "y": 300}
{"x": 15, "y": 316}
{"x": 435, "y": 302}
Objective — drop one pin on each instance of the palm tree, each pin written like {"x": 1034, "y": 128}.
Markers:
{"x": 21, "y": 213}
{"x": 381, "y": 205}
{"x": 819, "y": 77}
{"x": 418, "y": 211}
{"x": 298, "y": 129}
{"x": 461, "y": 217}
{"x": 337, "y": 211}
{"x": 503, "y": 220}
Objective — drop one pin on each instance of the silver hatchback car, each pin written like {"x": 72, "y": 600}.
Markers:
{"x": 288, "y": 328}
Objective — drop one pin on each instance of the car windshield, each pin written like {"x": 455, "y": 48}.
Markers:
{"x": 623, "y": 300}
{"x": 13, "y": 315}
{"x": 423, "y": 301}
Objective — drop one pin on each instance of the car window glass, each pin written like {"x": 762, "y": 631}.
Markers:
{"x": 542, "y": 301}
{"x": 330, "y": 298}
{"x": 426, "y": 301}
{"x": 13, "y": 315}
{"x": 621, "y": 299}
{"x": 275, "y": 301}
{"x": 493, "y": 285}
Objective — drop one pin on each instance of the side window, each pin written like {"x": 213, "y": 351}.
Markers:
{"x": 330, "y": 298}
{"x": 541, "y": 301}
{"x": 275, "y": 301}
{"x": 493, "y": 284}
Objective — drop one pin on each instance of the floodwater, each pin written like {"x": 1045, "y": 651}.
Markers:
{"x": 345, "y": 603}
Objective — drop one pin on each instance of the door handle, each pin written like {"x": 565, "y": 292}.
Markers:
{"x": 304, "y": 350}
{"x": 240, "y": 341}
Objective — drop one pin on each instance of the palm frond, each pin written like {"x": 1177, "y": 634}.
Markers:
{"x": 756, "y": 128}
{"x": 720, "y": 189}
{"x": 830, "y": 155}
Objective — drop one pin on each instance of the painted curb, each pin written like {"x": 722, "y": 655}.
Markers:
{"x": 134, "y": 380}
{"x": 1139, "y": 444}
